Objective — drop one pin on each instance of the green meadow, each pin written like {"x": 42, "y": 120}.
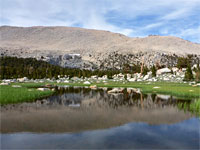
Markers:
{"x": 27, "y": 92}
{"x": 10, "y": 95}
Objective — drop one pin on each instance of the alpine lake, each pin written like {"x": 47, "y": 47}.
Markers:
{"x": 84, "y": 118}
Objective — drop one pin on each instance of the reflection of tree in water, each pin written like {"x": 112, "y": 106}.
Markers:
{"x": 71, "y": 95}
{"x": 121, "y": 99}
{"x": 78, "y": 95}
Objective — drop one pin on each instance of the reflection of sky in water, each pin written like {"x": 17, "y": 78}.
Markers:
{"x": 184, "y": 135}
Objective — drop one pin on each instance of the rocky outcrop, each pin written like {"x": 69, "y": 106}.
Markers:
{"x": 113, "y": 60}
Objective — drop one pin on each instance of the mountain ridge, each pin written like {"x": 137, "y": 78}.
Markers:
{"x": 92, "y": 45}
{"x": 72, "y": 38}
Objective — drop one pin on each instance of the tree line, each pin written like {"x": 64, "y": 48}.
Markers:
{"x": 13, "y": 67}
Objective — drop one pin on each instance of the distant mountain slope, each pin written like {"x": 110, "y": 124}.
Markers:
{"x": 92, "y": 45}
{"x": 59, "y": 38}
{"x": 82, "y": 40}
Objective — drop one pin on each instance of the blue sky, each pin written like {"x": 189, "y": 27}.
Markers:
{"x": 134, "y": 18}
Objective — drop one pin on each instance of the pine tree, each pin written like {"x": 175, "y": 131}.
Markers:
{"x": 188, "y": 74}
{"x": 197, "y": 77}
{"x": 145, "y": 71}
{"x": 125, "y": 77}
{"x": 182, "y": 62}
{"x": 153, "y": 69}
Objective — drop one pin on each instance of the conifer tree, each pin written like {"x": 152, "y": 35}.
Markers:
{"x": 197, "y": 76}
{"x": 153, "y": 69}
{"x": 188, "y": 74}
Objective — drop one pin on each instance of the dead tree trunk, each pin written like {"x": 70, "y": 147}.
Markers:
{"x": 142, "y": 67}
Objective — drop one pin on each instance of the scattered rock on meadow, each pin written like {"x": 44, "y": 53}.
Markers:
{"x": 198, "y": 84}
{"x": 165, "y": 97}
{"x": 22, "y": 79}
{"x": 43, "y": 89}
{"x": 86, "y": 82}
{"x": 156, "y": 87}
{"x": 66, "y": 81}
{"x": 16, "y": 86}
{"x": 5, "y": 83}
{"x": 93, "y": 86}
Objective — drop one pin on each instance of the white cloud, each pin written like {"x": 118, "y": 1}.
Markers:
{"x": 93, "y": 14}
{"x": 193, "y": 33}
{"x": 153, "y": 25}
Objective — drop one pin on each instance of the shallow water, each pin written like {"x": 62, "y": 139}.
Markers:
{"x": 91, "y": 118}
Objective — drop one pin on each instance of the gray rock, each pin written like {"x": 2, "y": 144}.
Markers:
{"x": 163, "y": 71}
{"x": 3, "y": 83}
{"x": 165, "y": 97}
{"x": 86, "y": 82}
{"x": 132, "y": 79}
{"x": 66, "y": 81}
{"x": 43, "y": 89}
{"x": 16, "y": 86}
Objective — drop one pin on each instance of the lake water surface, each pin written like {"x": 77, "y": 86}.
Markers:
{"x": 84, "y": 118}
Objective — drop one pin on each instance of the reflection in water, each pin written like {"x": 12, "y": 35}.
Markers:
{"x": 79, "y": 109}
{"x": 69, "y": 96}
{"x": 156, "y": 121}
{"x": 184, "y": 135}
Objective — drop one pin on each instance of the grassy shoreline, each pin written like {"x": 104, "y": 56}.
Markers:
{"x": 181, "y": 90}
{"x": 26, "y": 93}
{"x": 12, "y": 95}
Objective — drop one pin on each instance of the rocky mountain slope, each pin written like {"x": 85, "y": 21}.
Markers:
{"x": 85, "y": 48}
